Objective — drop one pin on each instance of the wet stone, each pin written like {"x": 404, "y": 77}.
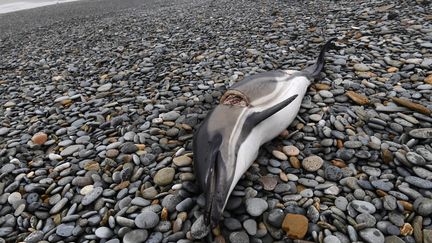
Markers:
{"x": 64, "y": 230}
{"x": 361, "y": 67}
{"x": 129, "y": 148}
{"x": 232, "y": 224}
{"x": 291, "y": 150}
{"x": 276, "y": 217}
{"x": 389, "y": 202}
{"x": 331, "y": 239}
{"x": 367, "y": 219}
{"x": 170, "y": 202}
{"x": 363, "y": 206}
{"x": 71, "y": 149}
{"x": 182, "y": 161}
{"x": 393, "y": 239}
{"x": 250, "y": 226}
{"x": 421, "y": 133}
{"x": 372, "y": 235}
{"x": 333, "y": 173}
{"x": 92, "y": 196}
{"x": 392, "y": 229}
{"x": 185, "y": 205}
{"x": 199, "y": 229}
{"x": 164, "y": 176}
{"x": 371, "y": 170}
{"x": 396, "y": 218}
{"x": 353, "y": 144}
{"x": 104, "y": 233}
{"x": 282, "y": 188}
{"x": 59, "y": 206}
{"x": 147, "y": 220}
{"x": 382, "y": 185}
{"x": 341, "y": 203}
{"x": 155, "y": 237}
{"x": 269, "y": 182}
{"x": 240, "y": 237}
{"x": 104, "y": 88}
{"x": 279, "y": 155}
{"x": 423, "y": 206}
{"x": 133, "y": 236}
{"x": 419, "y": 182}
{"x": 312, "y": 163}
{"x": 34, "y": 237}
{"x": 415, "y": 158}
{"x": 256, "y": 206}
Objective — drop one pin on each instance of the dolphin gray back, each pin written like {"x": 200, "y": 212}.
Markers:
{"x": 259, "y": 85}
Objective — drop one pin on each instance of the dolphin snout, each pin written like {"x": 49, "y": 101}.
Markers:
{"x": 217, "y": 191}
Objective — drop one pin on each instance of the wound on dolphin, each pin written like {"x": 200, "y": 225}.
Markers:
{"x": 233, "y": 97}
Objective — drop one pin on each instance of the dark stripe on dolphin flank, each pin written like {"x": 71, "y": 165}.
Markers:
{"x": 259, "y": 85}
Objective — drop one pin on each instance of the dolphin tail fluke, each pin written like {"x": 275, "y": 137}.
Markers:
{"x": 315, "y": 69}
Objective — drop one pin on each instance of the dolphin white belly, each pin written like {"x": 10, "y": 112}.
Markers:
{"x": 270, "y": 127}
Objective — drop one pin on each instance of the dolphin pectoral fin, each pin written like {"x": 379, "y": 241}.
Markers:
{"x": 258, "y": 117}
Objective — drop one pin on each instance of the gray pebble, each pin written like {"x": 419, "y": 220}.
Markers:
{"x": 104, "y": 232}
{"x": 256, "y": 206}
{"x": 146, "y": 220}
{"x": 240, "y": 237}
{"x": 92, "y": 196}
{"x": 250, "y": 226}
{"x": 134, "y": 236}
{"x": 331, "y": 239}
{"x": 372, "y": 235}
{"x": 64, "y": 230}
{"x": 199, "y": 229}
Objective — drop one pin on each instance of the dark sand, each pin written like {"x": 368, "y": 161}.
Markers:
{"x": 30, "y": 19}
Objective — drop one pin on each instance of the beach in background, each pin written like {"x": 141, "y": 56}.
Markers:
{"x": 7, "y": 6}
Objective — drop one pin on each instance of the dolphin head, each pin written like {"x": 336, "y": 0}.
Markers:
{"x": 215, "y": 159}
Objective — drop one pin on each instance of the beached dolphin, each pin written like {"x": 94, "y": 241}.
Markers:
{"x": 251, "y": 113}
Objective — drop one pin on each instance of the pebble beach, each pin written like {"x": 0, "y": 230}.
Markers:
{"x": 98, "y": 107}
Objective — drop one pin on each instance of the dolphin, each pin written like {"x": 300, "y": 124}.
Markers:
{"x": 250, "y": 113}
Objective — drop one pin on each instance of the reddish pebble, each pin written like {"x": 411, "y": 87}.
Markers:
{"x": 39, "y": 138}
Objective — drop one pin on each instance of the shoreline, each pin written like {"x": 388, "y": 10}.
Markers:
{"x": 18, "y": 22}
{"x": 19, "y": 6}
